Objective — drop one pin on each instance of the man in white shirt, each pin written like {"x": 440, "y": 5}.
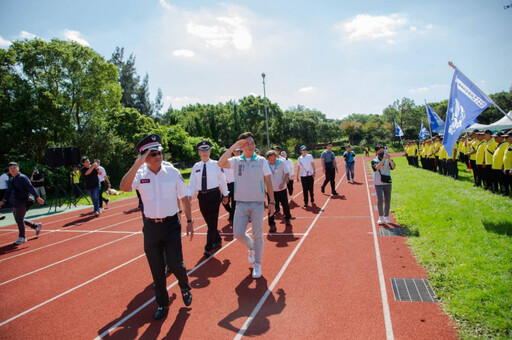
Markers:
{"x": 291, "y": 171}
{"x": 102, "y": 177}
{"x": 207, "y": 178}
{"x": 160, "y": 185}
{"x": 230, "y": 206}
{"x": 279, "y": 176}
{"x": 251, "y": 173}
{"x": 4, "y": 183}
{"x": 306, "y": 172}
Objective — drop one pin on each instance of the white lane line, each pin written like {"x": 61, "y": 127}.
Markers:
{"x": 380, "y": 270}
{"x": 64, "y": 260}
{"x": 68, "y": 239}
{"x": 68, "y": 291}
{"x": 251, "y": 317}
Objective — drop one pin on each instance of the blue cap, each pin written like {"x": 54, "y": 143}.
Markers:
{"x": 303, "y": 147}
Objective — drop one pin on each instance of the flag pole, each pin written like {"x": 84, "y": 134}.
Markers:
{"x": 486, "y": 96}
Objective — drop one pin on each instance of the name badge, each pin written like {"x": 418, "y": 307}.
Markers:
{"x": 198, "y": 170}
{"x": 145, "y": 180}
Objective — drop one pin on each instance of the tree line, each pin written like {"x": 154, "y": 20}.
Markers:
{"x": 59, "y": 93}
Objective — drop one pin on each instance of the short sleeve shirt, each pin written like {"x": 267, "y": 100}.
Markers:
{"x": 249, "y": 177}
{"x": 328, "y": 156}
{"x": 160, "y": 192}
{"x": 91, "y": 180}
{"x": 306, "y": 165}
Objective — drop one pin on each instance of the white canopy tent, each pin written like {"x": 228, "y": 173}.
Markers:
{"x": 502, "y": 124}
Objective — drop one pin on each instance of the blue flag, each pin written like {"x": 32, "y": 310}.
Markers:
{"x": 398, "y": 131}
{"x": 436, "y": 123}
{"x": 423, "y": 132}
{"x": 465, "y": 104}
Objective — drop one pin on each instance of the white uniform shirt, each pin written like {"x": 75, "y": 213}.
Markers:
{"x": 159, "y": 192}
{"x": 4, "y": 182}
{"x": 102, "y": 174}
{"x": 279, "y": 171}
{"x": 306, "y": 165}
{"x": 291, "y": 167}
{"x": 230, "y": 175}
{"x": 214, "y": 178}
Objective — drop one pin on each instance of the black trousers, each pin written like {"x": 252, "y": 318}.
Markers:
{"x": 501, "y": 181}
{"x": 472, "y": 164}
{"x": 282, "y": 198}
{"x": 307, "y": 188}
{"x": 508, "y": 182}
{"x": 290, "y": 187}
{"x": 453, "y": 169}
{"x": 330, "y": 174}
{"x": 478, "y": 174}
{"x": 103, "y": 186}
{"x": 159, "y": 239}
{"x": 209, "y": 204}
{"x": 486, "y": 176}
{"x": 437, "y": 165}
{"x": 230, "y": 206}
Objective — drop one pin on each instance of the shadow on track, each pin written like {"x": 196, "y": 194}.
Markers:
{"x": 248, "y": 298}
{"x": 213, "y": 268}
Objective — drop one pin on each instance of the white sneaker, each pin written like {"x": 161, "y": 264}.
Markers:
{"x": 387, "y": 219}
{"x": 20, "y": 240}
{"x": 96, "y": 214}
{"x": 380, "y": 221}
{"x": 38, "y": 228}
{"x": 251, "y": 256}
{"x": 256, "y": 271}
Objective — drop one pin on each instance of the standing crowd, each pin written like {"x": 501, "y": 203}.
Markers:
{"x": 487, "y": 155}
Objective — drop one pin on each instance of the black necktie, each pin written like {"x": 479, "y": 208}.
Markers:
{"x": 204, "y": 186}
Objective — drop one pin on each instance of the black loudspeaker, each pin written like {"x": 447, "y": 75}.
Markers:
{"x": 71, "y": 156}
{"x": 54, "y": 157}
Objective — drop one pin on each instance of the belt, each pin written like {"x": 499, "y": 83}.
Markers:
{"x": 160, "y": 220}
{"x": 209, "y": 190}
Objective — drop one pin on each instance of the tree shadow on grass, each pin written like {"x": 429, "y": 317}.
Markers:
{"x": 501, "y": 227}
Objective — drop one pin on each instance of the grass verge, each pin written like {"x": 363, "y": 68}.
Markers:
{"x": 463, "y": 237}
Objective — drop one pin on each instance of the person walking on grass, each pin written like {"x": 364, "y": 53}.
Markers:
{"x": 252, "y": 172}
{"x": 382, "y": 166}
{"x": 161, "y": 185}
{"x": 18, "y": 193}
{"x": 349, "y": 156}
{"x": 306, "y": 172}
{"x": 280, "y": 175}
{"x": 330, "y": 168}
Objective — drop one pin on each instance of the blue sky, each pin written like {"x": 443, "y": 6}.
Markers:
{"x": 340, "y": 57}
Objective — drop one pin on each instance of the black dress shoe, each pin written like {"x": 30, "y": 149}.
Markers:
{"x": 186, "y": 294}
{"x": 272, "y": 229}
{"x": 161, "y": 312}
{"x": 335, "y": 193}
{"x": 207, "y": 253}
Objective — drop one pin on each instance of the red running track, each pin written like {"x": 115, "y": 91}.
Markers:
{"x": 328, "y": 277}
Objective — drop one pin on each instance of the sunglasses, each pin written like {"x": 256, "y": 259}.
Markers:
{"x": 154, "y": 154}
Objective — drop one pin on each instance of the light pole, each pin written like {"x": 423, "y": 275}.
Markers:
{"x": 266, "y": 114}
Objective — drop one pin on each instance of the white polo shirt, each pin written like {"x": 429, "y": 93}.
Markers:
{"x": 291, "y": 167}
{"x": 160, "y": 192}
{"x": 215, "y": 178}
{"x": 279, "y": 171}
{"x": 306, "y": 165}
{"x": 102, "y": 174}
{"x": 230, "y": 175}
{"x": 4, "y": 182}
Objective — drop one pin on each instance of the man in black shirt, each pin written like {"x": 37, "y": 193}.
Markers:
{"x": 37, "y": 180}
{"x": 91, "y": 182}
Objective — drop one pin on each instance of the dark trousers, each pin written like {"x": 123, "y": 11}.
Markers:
{"x": 472, "y": 164}
{"x": 159, "y": 239}
{"x": 75, "y": 189}
{"x": 415, "y": 161}
{"x": 209, "y": 204}
{"x": 478, "y": 174}
{"x": 501, "y": 185}
{"x": 19, "y": 217}
{"x": 230, "y": 206}
{"x": 486, "y": 176}
{"x": 103, "y": 188}
{"x": 437, "y": 165}
{"x": 307, "y": 188}
{"x": 507, "y": 182}
{"x": 290, "y": 187}
{"x": 330, "y": 174}
{"x": 280, "y": 197}
{"x": 453, "y": 169}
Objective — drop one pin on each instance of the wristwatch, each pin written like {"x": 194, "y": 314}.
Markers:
{"x": 190, "y": 221}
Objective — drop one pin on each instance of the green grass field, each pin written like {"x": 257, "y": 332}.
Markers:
{"x": 463, "y": 237}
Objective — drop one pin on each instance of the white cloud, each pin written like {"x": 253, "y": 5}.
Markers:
{"x": 429, "y": 26}
{"x": 179, "y": 102}
{"x": 4, "y": 43}
{"x": 425, "y": 88}
{"x": 166, "y": 5}
{"x": 27, "y": 35}
{"x": 413, "y": 29}
{"x": 221, "y": 31}
{"x": 75, "y": 36}
{"x": 366, "y": 27}
{"x": 183, "y": 53}
{"x": 306, "y": 89}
